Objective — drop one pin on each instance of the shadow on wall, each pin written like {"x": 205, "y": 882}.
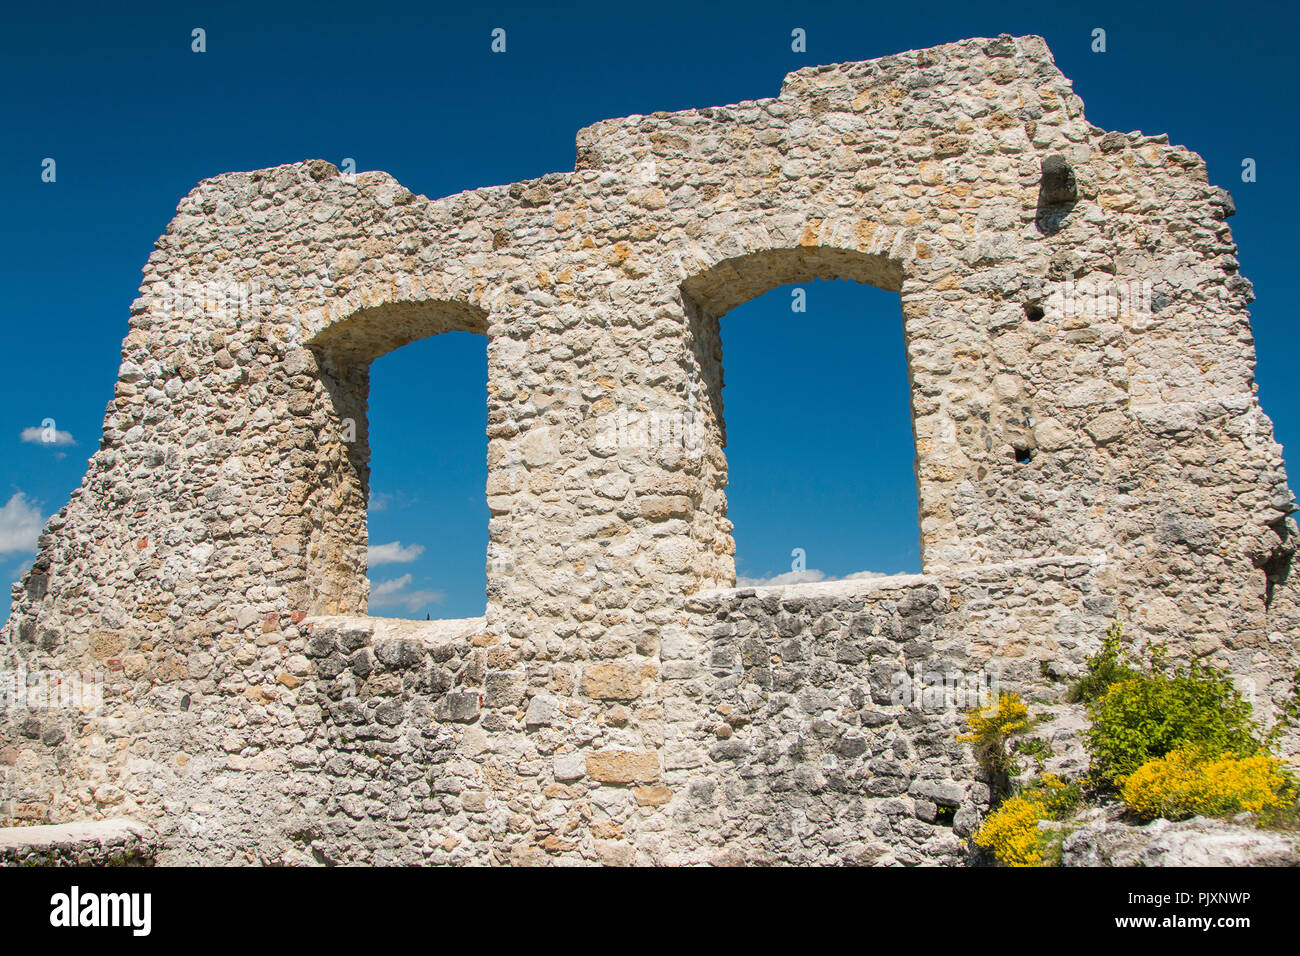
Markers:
{"x": 1057, "y": 193}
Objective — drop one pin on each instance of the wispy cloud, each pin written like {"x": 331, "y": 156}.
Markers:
{"x": 789, "y": 577}
{"x": 47, "y": 436}
{"x": 386, "y": 589}
{"x": 393, "y": 593}
{"x": 393, "y": 553}
{"x": 20, "y": 524}
{"x": 862, "y": 576}
{"x": 391, "y": 500}
{"x": 803, "y": 577}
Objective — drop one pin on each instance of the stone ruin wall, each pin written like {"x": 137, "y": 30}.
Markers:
{"x": 620, "y": 701}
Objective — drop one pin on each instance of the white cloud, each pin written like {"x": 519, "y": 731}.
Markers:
{"x": 862, "y": 576}
{"x": 392, "y": 553}
{"x": 387, "y": 588}
{"x": 42, "y": 436}
{"x": 393, "y": 593}
{"x": 789, "y": 577}
{"x": 20, "y": 524}
{"x": 803, "y": 577}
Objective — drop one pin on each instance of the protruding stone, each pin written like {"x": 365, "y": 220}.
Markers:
{"x": 656, "y": 796}
{"x": 623, "y": 766}
{"x": 1058, "y": 183}
{"x": 457, "y": 706}
{"x": 616, "y": 681}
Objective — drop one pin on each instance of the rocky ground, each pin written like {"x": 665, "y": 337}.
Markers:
{"x": 1102, "y": 841}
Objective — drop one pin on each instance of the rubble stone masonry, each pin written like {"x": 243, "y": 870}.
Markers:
{"x": 1089, "y": 447}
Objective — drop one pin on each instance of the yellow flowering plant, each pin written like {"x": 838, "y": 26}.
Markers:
{"x": 1190, "y": 782}
{"x": 1011, "y": 832}
{"x": 991, "y": 728}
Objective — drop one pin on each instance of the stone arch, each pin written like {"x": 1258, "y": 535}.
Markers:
{"x": 711, "y": 293}
{"x": 720, "y": 288}
{"x": 340, "y": 356}
{"x": 373, "y": 331}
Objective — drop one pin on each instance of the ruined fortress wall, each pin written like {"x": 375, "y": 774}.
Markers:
{"x": 1082, "y": 399}
{"x": 816, "y": 724}
{"x": 804, "y": 724}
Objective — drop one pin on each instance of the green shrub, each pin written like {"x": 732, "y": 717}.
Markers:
{"x": 1154, "y": 712}
{"x": 1035, "y": 748}
{"x": 1059, "y": 797}
{"x": 1104, "y": 669}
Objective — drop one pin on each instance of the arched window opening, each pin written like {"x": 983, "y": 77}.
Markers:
{"x": 427, "y": 513}
{"x": 819, "y": 442}
{"x": 397, "y": 487}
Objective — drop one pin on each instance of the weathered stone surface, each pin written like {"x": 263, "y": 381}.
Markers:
{"x": 113, "y": 842}
{"x": 569, "y": 767}
{"x": 616, "y": 681}
{"x": 1107, "y": 427}
{"x": 1195, "y": 842}
{"x": 461, "y": 706}
{"x": 653, "y": 796}
{"x": 1089, "y": 447}
{"x": 542, "y": 710}
{"x": 504, "y": 689}
{"x": 623, "y": 766}
{"x": 661, "y": 507}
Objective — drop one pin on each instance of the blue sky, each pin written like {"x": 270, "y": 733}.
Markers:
{"x": 134, "y": 119}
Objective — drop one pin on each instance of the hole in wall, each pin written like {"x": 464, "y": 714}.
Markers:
{"x": 945, "y": 816}
{"x": 1023, "y": 453}
{"x": 1276, "y": 565}
{"x": 1034, "y": 312}
{"x": 1058, "y": 191}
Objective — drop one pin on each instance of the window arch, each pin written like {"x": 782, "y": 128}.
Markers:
{"x": 718, "y": 303}
{"x": 338, "y": 559}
